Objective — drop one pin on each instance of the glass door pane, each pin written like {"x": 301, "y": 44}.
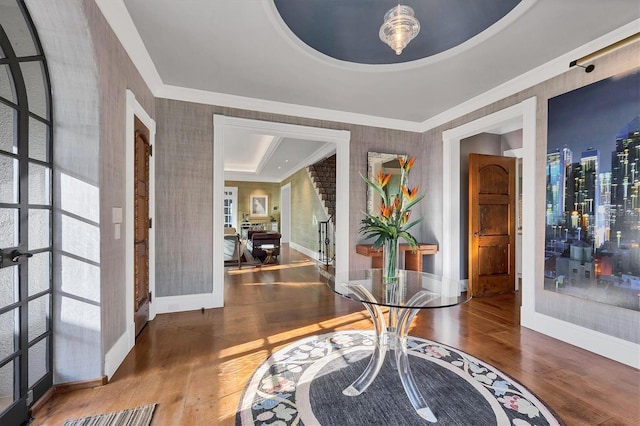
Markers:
{"x": 7, "y": 396}
{"x": 8, "y": 179}
{"x": 25, "y": 217}
{"x": 8, "y": 123}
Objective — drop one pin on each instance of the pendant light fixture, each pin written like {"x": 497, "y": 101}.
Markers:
{"x": 399, "y": 27}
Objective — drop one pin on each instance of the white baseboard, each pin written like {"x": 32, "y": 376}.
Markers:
{"x": 602, "y": 344}
{"x": 312, "y": 254}
{"x": 118, "y": 352}
{"x": 189, "y": 302}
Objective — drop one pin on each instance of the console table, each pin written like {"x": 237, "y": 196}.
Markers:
{"x": 412, "y": 261}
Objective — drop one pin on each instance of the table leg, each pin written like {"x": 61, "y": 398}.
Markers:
{"x": 395, "y": 338}
{"x": 402, "y": 359}
{"x": 269, "y": 259}
{"x": 380, "y": 350}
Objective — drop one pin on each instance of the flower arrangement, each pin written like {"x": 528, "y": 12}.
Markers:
{"x": 392, "y": 222}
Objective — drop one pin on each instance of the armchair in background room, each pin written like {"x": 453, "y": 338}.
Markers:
{"x": 258, "y": 240}
{"x": 232, "y": 246}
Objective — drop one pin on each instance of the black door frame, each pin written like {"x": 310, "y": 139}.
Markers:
{"x": 24, "y": 396}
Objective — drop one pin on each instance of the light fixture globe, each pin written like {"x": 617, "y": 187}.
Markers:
{"x": 399, "y": 27}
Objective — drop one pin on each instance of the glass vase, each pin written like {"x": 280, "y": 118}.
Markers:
{"x": 390, "y": 260}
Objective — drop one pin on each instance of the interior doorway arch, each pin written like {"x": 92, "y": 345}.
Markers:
{"x": 341, "y": 139}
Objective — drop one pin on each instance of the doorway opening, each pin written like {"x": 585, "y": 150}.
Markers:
{"x": 339, "y": 138}
{"x": 520, "y": 116}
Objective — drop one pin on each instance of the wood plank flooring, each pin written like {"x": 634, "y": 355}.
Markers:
{"x": 194, "y": 365}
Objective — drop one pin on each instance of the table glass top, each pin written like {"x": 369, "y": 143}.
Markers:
{"x": 414, "y": 289}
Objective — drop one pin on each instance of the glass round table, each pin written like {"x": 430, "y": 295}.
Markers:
{"x": 413, "y": 291}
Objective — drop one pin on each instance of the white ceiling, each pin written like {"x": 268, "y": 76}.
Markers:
{"x": 267, "y": 158}
{"x": 239, "y": 53}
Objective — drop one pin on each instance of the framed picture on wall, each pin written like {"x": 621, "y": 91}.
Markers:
{"x": 259, "y": 205}
{"x": 592, "y": 213}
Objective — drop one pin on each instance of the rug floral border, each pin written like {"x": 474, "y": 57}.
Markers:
{"x": 270, "y": 397}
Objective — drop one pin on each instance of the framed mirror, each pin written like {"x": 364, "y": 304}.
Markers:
{"x": 388, "y": 164}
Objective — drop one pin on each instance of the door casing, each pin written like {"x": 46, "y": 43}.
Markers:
{"x": 115, "y": 355}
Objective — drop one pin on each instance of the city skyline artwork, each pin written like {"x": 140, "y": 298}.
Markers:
{"x": 592, "y": 217}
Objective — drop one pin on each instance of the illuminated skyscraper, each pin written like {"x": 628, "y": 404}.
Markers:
{"x": 588, "y": 197}
{"x": 558, "y": 165}
{"x": 603, "y": 212}
{"x": 625, "y": 182}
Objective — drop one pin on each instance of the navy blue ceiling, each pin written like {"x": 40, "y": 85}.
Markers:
{"x": 348, "y": 29}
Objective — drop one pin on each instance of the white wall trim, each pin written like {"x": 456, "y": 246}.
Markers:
{"x": 118, "y": 18}
{"x": 285, "y": 213}
{"x": 189, "y": 302}
{"x": 602, "y": 344}
{"x": 544, "y": 72}
{"x": 118, "y": 352}
{"x": 294, "y": 110}
{"x": 134, "y": 109}
{"x": 340, "y": 138}
{"x": 307, "y": 252}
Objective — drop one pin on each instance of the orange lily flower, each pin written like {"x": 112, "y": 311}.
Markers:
{"x": 406, "y": 165}
{"x": 410, "y": 194}
{"x": 396, "y": 203}
{"x": 386, "y": 211}
{"x": 383, "y": 179}
{"x": 405, "y": 218}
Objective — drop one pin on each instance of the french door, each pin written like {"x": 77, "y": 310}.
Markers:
{"x": 230, "y": 207}
{"x": 25, "y": 216}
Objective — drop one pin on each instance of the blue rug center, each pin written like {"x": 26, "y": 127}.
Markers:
{"x": 453, "y": 400}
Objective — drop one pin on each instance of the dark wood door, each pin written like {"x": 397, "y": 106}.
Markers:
{"x": 141, "y": 228}
{"x": 491, "y": 224}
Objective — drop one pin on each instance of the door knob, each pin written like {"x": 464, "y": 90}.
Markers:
{"x": 15, "y": 255}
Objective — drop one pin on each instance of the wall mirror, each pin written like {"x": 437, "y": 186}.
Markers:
{"x": 387, "y": 164}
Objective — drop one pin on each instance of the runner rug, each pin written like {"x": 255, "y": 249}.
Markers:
{"x": 302, "y": 384}
{"x": 140, "y": 416}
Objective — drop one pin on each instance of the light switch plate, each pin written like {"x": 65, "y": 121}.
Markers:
{"x": 117, "y": 214}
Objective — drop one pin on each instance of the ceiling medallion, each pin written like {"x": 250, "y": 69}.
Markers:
{"x": 399, "y": 27}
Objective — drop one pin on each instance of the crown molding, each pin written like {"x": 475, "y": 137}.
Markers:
{"x": 118, "y": 18}
{"x": 294, "y": 110}
{"x": 120, "y": 21}
{"x": 529, "y": 79}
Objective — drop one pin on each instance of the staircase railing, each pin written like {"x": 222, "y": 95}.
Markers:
{"x": 326, "y": 241}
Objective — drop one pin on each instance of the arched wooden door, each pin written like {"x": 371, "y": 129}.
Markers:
{"x": 492, "y": 224}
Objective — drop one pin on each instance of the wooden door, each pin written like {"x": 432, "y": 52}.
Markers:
{"x": 492, "y": 221}
{"x": 141, "y": 227}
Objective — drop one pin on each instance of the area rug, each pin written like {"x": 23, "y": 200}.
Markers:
{"x": 140, "y": 416}
{"x": 302, "y": 384}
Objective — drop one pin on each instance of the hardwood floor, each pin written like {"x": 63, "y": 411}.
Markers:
{"x": 195, "y": 364}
